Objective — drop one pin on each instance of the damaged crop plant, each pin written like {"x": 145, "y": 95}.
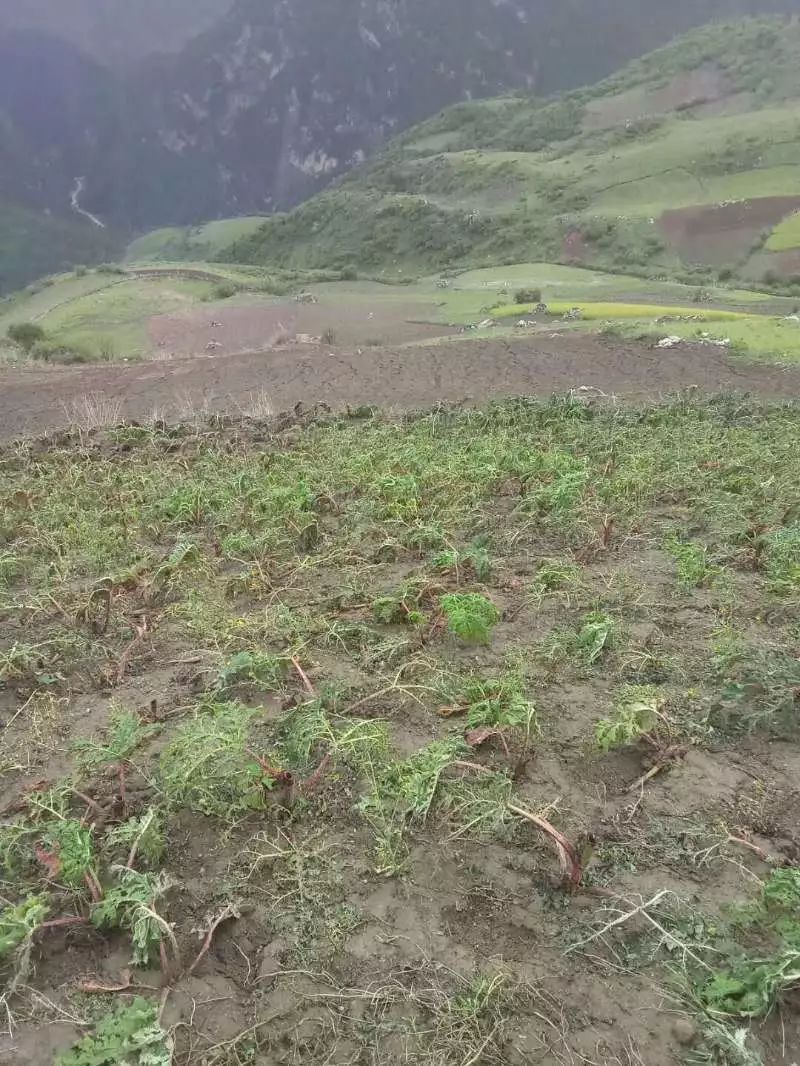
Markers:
{"x": 397, "y": 735}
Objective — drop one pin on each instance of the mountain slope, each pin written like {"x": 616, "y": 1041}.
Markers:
{"x": 685, "y": 157}
{"x": 115, "y": 31}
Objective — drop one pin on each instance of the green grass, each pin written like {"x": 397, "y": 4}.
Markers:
{"x": 592, "y": 311}
{"x": 786, "y": 235}
{"x": 310, "y": 745}
{"x": 191, "y": 243}
{"x": 759, "y": 337}
{"x": 517, "y": 178}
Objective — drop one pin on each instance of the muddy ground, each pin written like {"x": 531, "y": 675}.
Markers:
{"x": 471, "y": 951}
{"x": 38, "y": 399}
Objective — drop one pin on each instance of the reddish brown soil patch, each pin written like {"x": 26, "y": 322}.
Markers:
{"x": 696, "y": 87}
{"x": 784, "y": 264}
{"x": 724, "y": 233}
{"x": 574, "y": 249}
{"x": 36, "y": 400}
{"x": 260, "y": 326}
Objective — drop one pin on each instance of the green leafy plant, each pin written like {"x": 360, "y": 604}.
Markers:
{"x": 750, "y": 987}
{"x": 474, "y": 559}
{"x": 470, "y": 615}
{"x": 142, "y": 837}
{"x": 67, "y": 852}
{"x": 252, "y": 668}
{"x": 126, "y": 732}
{"x": 19, "y": 922}
{"x": 636, "y": 713}
{"x": 694, "y": 568}
{"x": 498, "y": 703}
{"x": 130, "y": 1036}
{"x": 403, "y": 607}
{"x": 595, "y": 636}
{"x": 130, "y": 906}
{"x": 208, "y": 766}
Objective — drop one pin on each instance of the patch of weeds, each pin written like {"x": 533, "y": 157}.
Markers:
{"x": 694, "y": 568}
{"x": 67, "y": 851}
{"x": 142, "y": 837}
{"x": 498, "y": 703}
{"x": 723, "y": 1046}
{"x": 728, "y": 650}
{"x": 470, "y": 615}
{"x": 555, "y": 575}
{"x": 404, "y": 607}
{"x": 473, "y": 560}
{"x": 308, "y": 732}
{"x": 252, "y": 668}
{"x": 19, "y": 922}
{"x": 130, "y": 905}
{"x": 782, "y": 559}
{"x": 761, "y": 694}
{"x": 126, "y": 732}
{"x": 587, "y": 644}
{"x": 209, "y": 768}
{"x": 636, "y": 713}
{"x": 131, "y": 1035}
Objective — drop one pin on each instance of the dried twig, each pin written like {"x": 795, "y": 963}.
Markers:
{"x": 303, "y": 676}
{"x": 570, "y": 861}
{"x": 231, "y": 911}
{"x": 125, "y": 658}
{"x": 567, "y": 853}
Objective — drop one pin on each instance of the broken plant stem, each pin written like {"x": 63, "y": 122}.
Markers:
{"x": 231, "y": 911}
{"x": 303, "y": 676}
{"x": 568, "y": 855}
{"x": 643, "y": 909}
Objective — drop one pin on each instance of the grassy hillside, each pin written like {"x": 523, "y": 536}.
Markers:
{"x": 194, "y": 243}
{"x": 34, "y": 243}
{"x": 684, "y": 162}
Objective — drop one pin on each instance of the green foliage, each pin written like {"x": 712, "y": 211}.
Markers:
{"x": 498, "y": 703}
{"x": 408, "y": 787}
{"x": 528, "y": 296}
{"x": 470, "y": 615}
{"x": 25, "y": 334}
{"x": 129, "y": 1036}
{"x": 72, "y": 845}
{"x": 307, "y": 732}
{"x": 252, "y": 668}
{"x": 635, "y": 713}
{"x": 474, "y": 559}
{"x": 146, "y": 832}
{"x": 130, "y": 905}
{"x": 207, "y": 766}
{"x": 403, "y": 607}
{"x": 126, "y": 732}
{"x": 694, "y": 569}
{"x": 750, "y": 987}
{"x": 595, "y": 636}
{"x": 18, "y": 923}
{"x": 783, "y": 559}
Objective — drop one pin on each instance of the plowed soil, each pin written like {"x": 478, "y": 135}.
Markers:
{"x": 723, "y": 233}
{"x": 39, "y": 399}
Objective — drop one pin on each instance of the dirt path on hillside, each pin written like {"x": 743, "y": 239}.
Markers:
{"x": 39, "y": 399}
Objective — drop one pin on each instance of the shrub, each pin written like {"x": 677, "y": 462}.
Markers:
{"x": 26, "y": 334}
{"x": 470, "y": 615}
{"x": 528, "y": 296}
{"x": 223, "y": 291}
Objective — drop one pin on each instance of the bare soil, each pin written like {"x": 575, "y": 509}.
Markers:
{"x": 723, "y": 234}
{"x": 260, "y": 326}
{"x": 37, "y": 400}
{"x": 697, "y": 87}
{"x": 329, "y": 963}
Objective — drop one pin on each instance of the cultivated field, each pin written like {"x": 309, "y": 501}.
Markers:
{"x": 460, "y": 738}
